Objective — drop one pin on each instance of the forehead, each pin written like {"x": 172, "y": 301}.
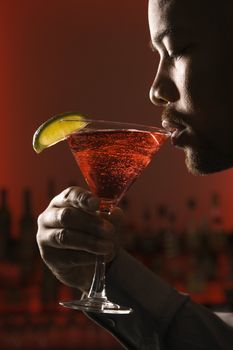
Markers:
{"x": 204, "y": 19}
{"x": 186, "y": 14}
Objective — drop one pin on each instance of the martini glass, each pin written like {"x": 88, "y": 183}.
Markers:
{"x": 111, "y": 156}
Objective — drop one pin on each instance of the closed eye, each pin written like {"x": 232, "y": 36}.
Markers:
{"x": 177, "y": 54}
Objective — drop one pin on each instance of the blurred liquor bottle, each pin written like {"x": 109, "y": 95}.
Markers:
{"x": 171, "y": 237}
{"x": 216, "y": 218}
{"x": 49, "y": 284}
{"x": 191, "y": 231}
{"x": 217, "y": 232}
{"x": 195, "y": 274}
{"x": 27, "y": 238}
{"x": 171, "y": 249}
{"x": 160, "y": 230}
{"x": 5, "y": 227}
{"x": 161, "y": 227}
{"x": 218, "y": 239}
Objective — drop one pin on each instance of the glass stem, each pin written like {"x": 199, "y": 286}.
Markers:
{"x": 97, "y": 290}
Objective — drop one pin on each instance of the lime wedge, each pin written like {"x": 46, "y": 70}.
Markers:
{"x": 57, "y": 129}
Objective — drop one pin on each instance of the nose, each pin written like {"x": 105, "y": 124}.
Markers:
{"x": 163, "y": 90}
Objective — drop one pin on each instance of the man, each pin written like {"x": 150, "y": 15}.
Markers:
{"x": 194, "y": 85}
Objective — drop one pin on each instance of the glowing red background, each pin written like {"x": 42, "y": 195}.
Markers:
{"x": 93, "y": 57}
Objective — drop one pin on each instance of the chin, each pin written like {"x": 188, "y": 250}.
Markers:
{"x": 204, "y": 163}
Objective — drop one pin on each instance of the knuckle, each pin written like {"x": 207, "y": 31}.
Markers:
{"x": 82, "y": 197}
{"x": 61, "y": 237}
{"x": 40, "y": 220}
{"x": 41, "y": 246}
{"x": 71, "y": 193}
{"x": 38, "y": 237}
{"x": 64, "y": 215}
{"x": 68, "y": 193}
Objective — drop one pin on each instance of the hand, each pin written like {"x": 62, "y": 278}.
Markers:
{"x": 71, "y": 232}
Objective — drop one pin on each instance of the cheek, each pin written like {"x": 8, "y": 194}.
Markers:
{"x": 207, "y": 83}
{"x": 201, "y": 87}
{"x": 202, "y": 92}
{"x": 186, "y": 83}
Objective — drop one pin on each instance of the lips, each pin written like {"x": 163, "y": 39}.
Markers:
{"x": 172, "y": 127}
{"x": 177, "y": 131}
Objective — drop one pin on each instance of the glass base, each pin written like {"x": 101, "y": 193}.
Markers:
{"x": 96, "y": 305}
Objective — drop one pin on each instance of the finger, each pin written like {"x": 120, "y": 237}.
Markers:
{"x": 73, "y": 240}
{"x": 64, "y": 259}
{"x": 76, "y": 197}
{"x": 75, "y": 219}
{"x": 67, "y": 217}
{"x": 75, "y": 270}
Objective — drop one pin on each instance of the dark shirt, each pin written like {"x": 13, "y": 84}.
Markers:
{"x": 163, "y": 318}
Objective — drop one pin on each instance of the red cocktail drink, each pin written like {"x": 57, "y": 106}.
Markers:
{"x": 111, "y": 160}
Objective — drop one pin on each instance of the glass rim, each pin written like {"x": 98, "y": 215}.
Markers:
{"x": 137, "y": 126}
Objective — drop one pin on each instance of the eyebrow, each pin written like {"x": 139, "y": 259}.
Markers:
{"x": 172, "y": 31}
{"x": 159, "y": 37}
{"x": 168, "y": 31}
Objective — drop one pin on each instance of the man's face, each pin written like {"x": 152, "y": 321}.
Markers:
{"x": 194, "y": 79}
